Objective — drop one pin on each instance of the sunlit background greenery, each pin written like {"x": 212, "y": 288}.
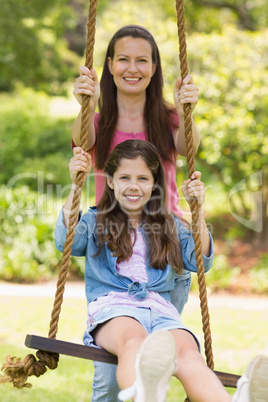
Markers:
{"x": 42, "y": 45}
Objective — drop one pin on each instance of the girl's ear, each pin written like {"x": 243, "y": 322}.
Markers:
{"x": 110, "y": 64}
{"x": 110, "y": 183}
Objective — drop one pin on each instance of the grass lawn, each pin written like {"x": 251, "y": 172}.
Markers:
{"x": 239, "y": 331}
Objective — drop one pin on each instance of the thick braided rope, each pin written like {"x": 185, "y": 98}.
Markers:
{"x": 16, "y": 370}
{"x": 193, "y": 203}
{"x": 91, "y": 26}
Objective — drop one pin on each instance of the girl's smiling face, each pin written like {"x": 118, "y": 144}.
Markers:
{"x": 132, "y": 65}
{"x": 133, "y": 184}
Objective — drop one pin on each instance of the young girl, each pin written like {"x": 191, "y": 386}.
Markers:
{"x": 131, "y": 105}
{"x": 133, "y": 245}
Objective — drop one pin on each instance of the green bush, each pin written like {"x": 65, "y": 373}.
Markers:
{"x": 259, "y": 275}
{"x": 34, "y": 182}
{"x": 220, "y": 277}
{"x": 32, "y": 142}
{"x": 27, "y": 250}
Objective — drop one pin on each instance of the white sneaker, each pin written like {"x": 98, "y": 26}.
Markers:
{"x": 253, "y": 385}
{"x": 155, "y": 364}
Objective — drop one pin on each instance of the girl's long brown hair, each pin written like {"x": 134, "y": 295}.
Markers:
{"x": 158, "y": 224}
{"x": 157, "y": 112}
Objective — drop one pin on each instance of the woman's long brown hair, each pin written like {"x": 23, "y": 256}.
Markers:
{"x": 157, "y": 112}
{"x": 158, "y": 224}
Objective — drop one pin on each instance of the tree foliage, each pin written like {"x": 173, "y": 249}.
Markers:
{"x": 249, "y": 15}
{"x": 231, "y": 71}
{"x": 31, "y": 141}
{"x": 33, "y": 50}
{"x": 40, "y": 42}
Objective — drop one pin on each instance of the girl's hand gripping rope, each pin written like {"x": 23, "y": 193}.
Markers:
{"x": 194, "y": 187}
{"x": 80, "y": 162}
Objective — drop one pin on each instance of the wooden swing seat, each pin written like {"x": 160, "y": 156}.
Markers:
{"x": 98, "y": 354}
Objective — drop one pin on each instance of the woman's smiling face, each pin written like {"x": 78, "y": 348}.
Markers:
{"x": 133, "y": 184}
{"x": 132, "y": 65}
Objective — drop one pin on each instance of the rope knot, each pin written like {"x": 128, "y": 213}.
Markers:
{"x": 17, "y": 371}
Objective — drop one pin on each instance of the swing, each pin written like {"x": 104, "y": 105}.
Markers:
{"x": 50, "y": 348}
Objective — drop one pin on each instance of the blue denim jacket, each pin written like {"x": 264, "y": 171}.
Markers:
{"x": 101, "y": 276}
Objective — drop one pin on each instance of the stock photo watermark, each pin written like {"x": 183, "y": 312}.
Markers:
{"x": 48, "y": 196}
{"x": 250, "y": 189}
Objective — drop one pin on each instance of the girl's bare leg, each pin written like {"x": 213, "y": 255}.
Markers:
{"x": 199, "y": 382}
{"x": 123, "y": 337}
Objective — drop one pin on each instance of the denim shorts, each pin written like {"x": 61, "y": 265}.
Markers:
{"x": 151, "y": 319}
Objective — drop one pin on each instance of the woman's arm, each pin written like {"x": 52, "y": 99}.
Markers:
{"x": 185, "y": 92}
{"x": 76, "y": 130}
{"x": 86, "y": 84}
{"x": 204, "y": 233}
